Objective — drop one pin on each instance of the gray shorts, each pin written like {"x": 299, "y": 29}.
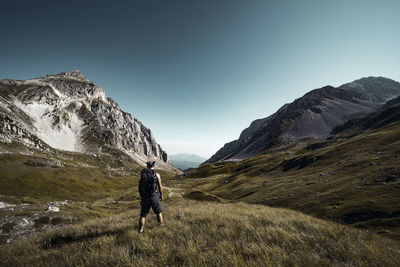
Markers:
{"x": 151, "y": 202}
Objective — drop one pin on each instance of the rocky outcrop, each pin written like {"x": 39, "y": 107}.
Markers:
{"x": 313, "y": 115}
{"x": 67, "y": 111}
{"x": 387, "y": 114}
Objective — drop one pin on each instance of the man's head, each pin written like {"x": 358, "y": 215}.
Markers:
{"x": 150, "y": 164}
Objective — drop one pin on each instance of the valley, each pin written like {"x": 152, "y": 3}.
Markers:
{"x": 316, "y": 183}
{"x": 231, "y": 212}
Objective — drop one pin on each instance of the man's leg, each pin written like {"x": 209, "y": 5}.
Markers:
{"x": 157, "y": 208}
{"x": 160, "y": 219}
{"x": 142, "y": 221}
{"x": 145, "y": 207}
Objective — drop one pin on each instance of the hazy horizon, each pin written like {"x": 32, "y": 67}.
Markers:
{"x": 199, "y": 72}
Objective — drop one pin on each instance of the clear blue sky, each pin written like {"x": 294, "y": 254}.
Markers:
{"x": 198, "y": 72}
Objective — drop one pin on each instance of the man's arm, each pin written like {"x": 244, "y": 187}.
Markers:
{"x": 160, "y": 188}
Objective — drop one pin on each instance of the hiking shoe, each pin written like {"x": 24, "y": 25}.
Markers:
{"x": 141, "y": 231}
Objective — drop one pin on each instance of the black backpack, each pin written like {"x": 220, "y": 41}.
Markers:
{"x": 148, "y": 183}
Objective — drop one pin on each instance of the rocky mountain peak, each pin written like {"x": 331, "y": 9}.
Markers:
{"x": 69, "y": 112}
{"x": 313, "y": 115}
{"x": 72, "y": 84}
{"x": 74, "y": 74}
{"x": 376, "y": 89}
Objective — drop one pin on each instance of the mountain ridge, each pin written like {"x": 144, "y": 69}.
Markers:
{"x": 314, "y": 115}
{"x": 67, "y": 111}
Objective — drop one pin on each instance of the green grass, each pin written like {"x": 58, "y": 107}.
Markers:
{"x": 345, "y": 181}
{"x": 224, "y": 218}
{"x": 95, "y": 187}
{"x": 66, "y": 175}
{"x": 36, "y": 177}
{"x": 205, "y": 234}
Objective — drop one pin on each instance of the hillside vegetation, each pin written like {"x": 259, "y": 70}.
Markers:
{"x": 205, "y": 234}
{"x": 350, "y": 179}
{"x": 52, "y": 176}
{"x": 78, "y": 186}
{"x": 220, "y": 214}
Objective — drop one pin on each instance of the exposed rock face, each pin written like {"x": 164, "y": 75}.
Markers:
{"x": 67, "y": 111}
{"x": 313, "y": 115}
{"x": 387, "y": 114}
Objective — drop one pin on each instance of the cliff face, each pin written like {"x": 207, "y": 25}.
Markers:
{"x": 313, "y": 115}
{"x": 67, "y": 111}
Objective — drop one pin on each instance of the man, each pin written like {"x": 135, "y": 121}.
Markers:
{"x": 149, "y": 181}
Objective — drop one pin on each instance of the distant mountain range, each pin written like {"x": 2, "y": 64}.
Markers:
{"x": 314, "y": 115}
{"x": 68, "y": 112}
{"x": 186, "y": 161}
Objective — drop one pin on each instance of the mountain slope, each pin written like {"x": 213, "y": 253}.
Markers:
{"x": 313, "y": 115}
{"x": 66, "y": 111}
{"x": 352, "y": 177}
{"x": 388, "y": 113}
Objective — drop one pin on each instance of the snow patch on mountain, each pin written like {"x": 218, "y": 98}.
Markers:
{"x": 67, "y": 111}
{"x": 64, "y": 134}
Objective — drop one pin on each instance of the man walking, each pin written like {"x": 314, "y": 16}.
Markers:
{"x": 149, "y": 181}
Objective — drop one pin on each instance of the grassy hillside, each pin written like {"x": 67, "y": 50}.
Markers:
{"x": 205, "y": 234}
{"x": 53, "y": 176}
{"x": 353, "y": 180}
{"x": 80, "y": 186}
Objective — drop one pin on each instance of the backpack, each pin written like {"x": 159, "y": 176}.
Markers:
{"x": 148, "y": 183}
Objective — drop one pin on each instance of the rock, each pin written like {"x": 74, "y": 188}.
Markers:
{"x": 82, "y": 116}
{"x": 391, "y": 178}
{"x": 42, "y": 220}
{"x": 5, "y": 205}
{"x": 52, "y": 208}
{"x": 383, "y": 231}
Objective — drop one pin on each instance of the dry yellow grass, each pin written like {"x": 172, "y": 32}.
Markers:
{"x": 350, "y": 180}
{"x": 206, "y": 234}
